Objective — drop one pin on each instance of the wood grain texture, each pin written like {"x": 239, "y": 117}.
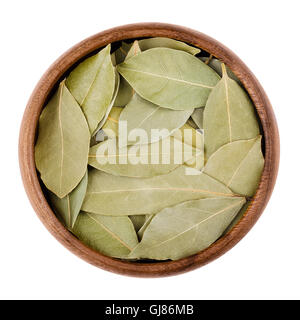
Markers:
{"x": 132, "y": 31}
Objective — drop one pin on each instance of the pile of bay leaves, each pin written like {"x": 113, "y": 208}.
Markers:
{"x": 150, "y": 150}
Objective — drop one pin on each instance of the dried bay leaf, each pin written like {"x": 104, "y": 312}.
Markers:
{"x": 169, "y": 78}
{"x": 148, "y": 219}
{"x": 216, "y": 64}
{"x": 108, "y": 110}
{"x": 196, "y": 162}
{"x": 112, "y": 236}
{"x": 126, "y": 92}
{"x": 121, "y": 53}
{"x": 197, "y": 117}
{"x": 138, "y": 221}
{"x": 238, "y": 165}
{"x": 92, "y": 84}
{"x": 93, "y": 141}
{"x": 189, "y": 135}
{"x": 114, "y": 195}
{"x": 61, "y": 151}
{"x": 194, "y": 138}
{"x": 99, "y": 137}
{"x": 229, "y": 115}
{"x": 187, "y": 228}
{"x": 113, "y": 59}
{"x": 126, "y": 45}
{"x": 150, "y": 43}
{"x": 111, "y": 126}
{"x": 141, "y": 160}
{"x": 142, "y": 114}
{"x": 69, "y": 207}
{"x": 191, "y": 123}
{"x": 134, "y": 50}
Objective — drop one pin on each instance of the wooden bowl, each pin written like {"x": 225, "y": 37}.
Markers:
{"x": 55, "y": 73}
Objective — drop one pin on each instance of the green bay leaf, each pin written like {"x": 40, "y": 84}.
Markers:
{"x": 69, "y": 207}
{"x": 229, "y": 115}
{"x": 112, "y": 236}
{"x": 150, "y": 43}
{"x": 238, "y": 165}
{"x": 92, "y": 84}
{"x": 61, "y": 151}
{"x": 114, "y": 195}
{"x": 169, "y": 78}
{"x": 187, "y": 228}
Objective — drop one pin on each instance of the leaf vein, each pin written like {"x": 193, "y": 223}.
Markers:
{"x": 110, "y": 232}
{"x": 173, "y": 79}
{"x": 166, "y": 189}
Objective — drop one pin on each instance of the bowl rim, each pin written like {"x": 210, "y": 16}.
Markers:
{"x": 132, "y": 31}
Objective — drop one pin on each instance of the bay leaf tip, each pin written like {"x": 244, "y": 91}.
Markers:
{"x": 224, "y": 71}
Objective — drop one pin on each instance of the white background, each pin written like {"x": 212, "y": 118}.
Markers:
{"x": 265, "y": 35}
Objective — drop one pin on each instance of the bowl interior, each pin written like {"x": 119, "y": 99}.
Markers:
{"x": 61, "y": 68}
